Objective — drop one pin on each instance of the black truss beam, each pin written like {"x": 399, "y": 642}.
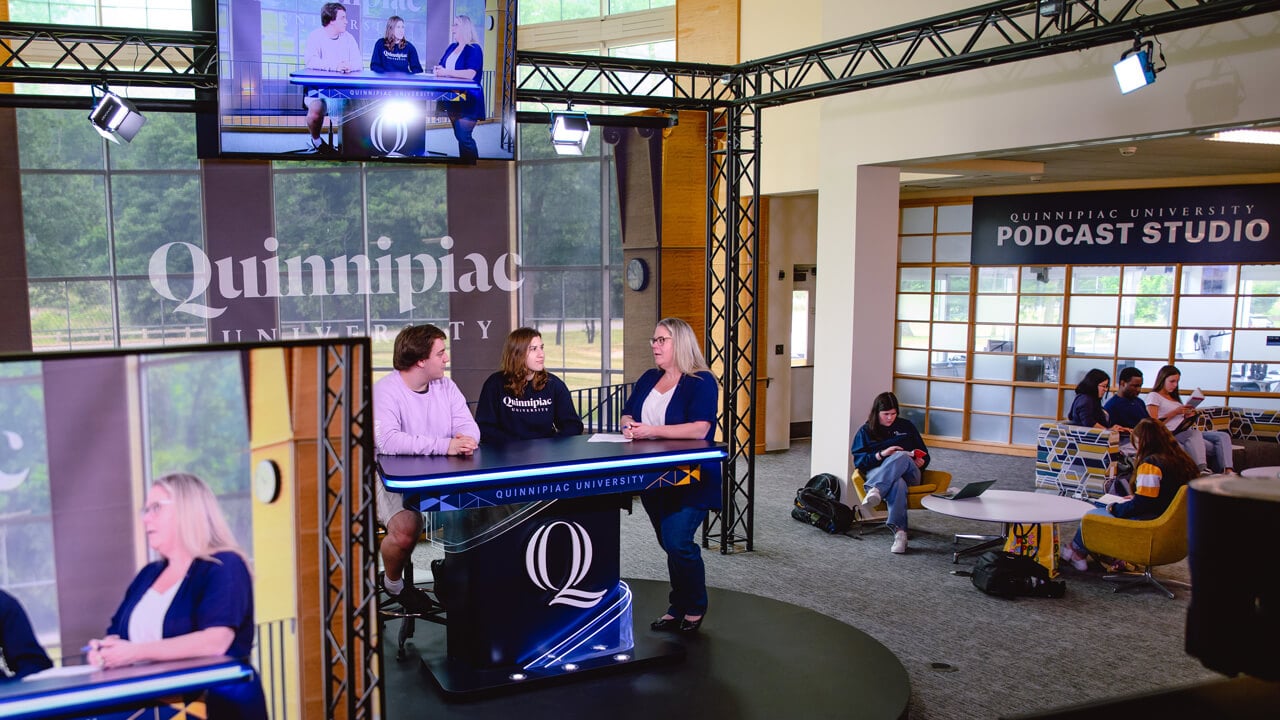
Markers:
{"x": 556, "y": 77}
{"x": 78, "y": 55}
{"x": 350, "y": 645}
{"x": 733, "y": 218}
{"x": 990, "y": 34}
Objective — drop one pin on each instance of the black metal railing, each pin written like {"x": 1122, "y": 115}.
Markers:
{"x": 601, "y": 407}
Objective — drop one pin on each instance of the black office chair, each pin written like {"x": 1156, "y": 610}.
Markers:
{"x": 388, "y": 608}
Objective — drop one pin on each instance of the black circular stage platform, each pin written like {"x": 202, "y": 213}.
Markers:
{"x": 753, "y": 658}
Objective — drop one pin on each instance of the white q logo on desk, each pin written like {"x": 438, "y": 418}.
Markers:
{"x": 535, "y": 563}
{"x": 395, "y": 117}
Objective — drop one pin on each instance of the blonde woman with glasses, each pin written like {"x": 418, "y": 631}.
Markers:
{"x": 195, "y": 601}
{"x": 678, "y": 399}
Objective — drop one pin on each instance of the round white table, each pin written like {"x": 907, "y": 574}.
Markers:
{"x": 1264, "y": 471}
{"x": 1013, "y": 509}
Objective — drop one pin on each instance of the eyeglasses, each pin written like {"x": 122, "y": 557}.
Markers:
{"x": 659, "y": 340}
{"x": 152, "y": 508}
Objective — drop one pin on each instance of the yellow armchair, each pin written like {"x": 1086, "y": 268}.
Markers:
{"x": 932, "y": 481}
{"x": 1143, "y": 542}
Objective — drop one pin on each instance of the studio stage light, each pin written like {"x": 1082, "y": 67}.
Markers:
{"x": 114, "y": 117}
{"x": 1136, "y": 69}
{"x": 569, "y": 132}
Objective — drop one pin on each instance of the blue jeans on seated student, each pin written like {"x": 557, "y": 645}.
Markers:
{"x": 891, "y": 478}
{"x": 1219, "y": 444}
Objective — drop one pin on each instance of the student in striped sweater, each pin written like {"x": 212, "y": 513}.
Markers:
{"x": 1161, "y": 466}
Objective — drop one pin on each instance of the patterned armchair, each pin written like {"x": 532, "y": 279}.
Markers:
{"x": 1073, "y": 459}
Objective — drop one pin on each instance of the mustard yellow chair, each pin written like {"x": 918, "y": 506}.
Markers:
{"x": 1146, "y": 543}
{"x": 932, "y": 481}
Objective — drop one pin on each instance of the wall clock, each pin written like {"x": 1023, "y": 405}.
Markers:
{"x": 637, "y": 274}
{"x": 266, "y": 481}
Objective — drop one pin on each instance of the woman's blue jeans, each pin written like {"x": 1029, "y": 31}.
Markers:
{"x": 891, "y": 478}
{"x": 675, "y": 525}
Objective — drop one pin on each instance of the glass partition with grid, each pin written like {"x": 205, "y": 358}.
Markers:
{"x": 987, "y": 354}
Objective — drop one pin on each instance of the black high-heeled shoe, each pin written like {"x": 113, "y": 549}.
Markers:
{"x": 666, "y": 624}
{"x": 691, "y": 626}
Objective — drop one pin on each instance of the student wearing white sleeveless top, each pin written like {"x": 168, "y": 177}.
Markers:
{"x": 679, "y": 399}
{"x": 196, "y": 601}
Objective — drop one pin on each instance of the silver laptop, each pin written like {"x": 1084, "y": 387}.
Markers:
{"x": 973, "y": 489}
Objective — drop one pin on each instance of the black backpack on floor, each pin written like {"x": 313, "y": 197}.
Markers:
{"x": 1007, "y": 575}
{"x": 818, "y": 503}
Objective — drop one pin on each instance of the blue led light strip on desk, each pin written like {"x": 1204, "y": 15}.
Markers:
{"x": 87, "y": 693}
{"x": 552, "y": 471}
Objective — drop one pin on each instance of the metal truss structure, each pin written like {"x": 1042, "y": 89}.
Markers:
{"x": 350, "y": 645}
{"x": 733, "y": 220}
{"x": 733, "y": 96}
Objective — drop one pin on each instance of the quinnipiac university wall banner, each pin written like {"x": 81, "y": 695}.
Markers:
{"x": 1229, "y": 224}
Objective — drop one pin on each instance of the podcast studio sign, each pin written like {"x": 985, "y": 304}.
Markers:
{"x": 1230, "y": 224}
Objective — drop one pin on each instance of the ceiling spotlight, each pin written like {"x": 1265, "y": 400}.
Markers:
{"x": 569, "y": 132}
{"x": 114, "y": 117}
{"x": 1137, "y": 68}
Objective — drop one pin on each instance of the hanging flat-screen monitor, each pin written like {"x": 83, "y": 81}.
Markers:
{"x": 400, "y": 81}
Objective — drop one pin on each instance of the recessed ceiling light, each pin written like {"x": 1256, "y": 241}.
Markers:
{"x": 910, "y": 177}
{"x": 1258, "y": 137}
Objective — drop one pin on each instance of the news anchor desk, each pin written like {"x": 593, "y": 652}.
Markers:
{"x": 122, "y": 689}
{"x": 530, "y": 580}
{"x": 374, "y": 124}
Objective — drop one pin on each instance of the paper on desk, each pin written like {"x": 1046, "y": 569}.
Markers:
{"x": 608, "y": 437}
{"x": 64, "y": 671}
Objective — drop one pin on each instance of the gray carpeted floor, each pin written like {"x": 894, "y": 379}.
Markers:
{"x": 1004, "y": 657}
{"x": 1001, "y": 657}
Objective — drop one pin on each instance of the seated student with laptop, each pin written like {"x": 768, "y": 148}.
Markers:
{"x": 890, "y": 454}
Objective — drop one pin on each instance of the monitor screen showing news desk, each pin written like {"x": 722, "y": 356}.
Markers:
{"x": 397, "y": 82}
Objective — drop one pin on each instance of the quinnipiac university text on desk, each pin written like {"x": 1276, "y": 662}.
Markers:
{"x": 532, "y": 588}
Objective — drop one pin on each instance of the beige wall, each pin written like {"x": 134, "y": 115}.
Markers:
{"x": 790, "y": 159}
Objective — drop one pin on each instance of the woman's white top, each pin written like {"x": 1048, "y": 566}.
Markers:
{"x": 654, "y": 410}
{"x": 1164, "y": 406}
{"x": 146, "y": 622}
{"x": 451, "y": 62}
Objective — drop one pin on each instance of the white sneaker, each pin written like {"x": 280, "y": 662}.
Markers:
{"x": 871, "y": 501}
{"x": 899, "y": 542}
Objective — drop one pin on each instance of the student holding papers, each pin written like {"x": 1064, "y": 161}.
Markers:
{"x": 1165, "y": 405}
{"x": 1161, "y": 466}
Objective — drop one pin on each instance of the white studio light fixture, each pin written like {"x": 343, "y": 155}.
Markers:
{"x": 569, "y": 131}
{"x": 1136, "y": 68}
{"x": 1257, "y": 137}
{"x": 114, "y": 117}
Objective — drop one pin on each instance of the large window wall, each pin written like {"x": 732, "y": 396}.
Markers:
{"x": 987, "y": 354}
{"x": 94, "y": 213}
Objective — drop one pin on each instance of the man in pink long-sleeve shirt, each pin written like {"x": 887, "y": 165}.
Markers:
{"x": 416, "y": 411}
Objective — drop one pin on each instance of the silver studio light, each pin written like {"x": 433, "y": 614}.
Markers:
{"x": 569, "y": 132}
{"x": 115, "y": 118}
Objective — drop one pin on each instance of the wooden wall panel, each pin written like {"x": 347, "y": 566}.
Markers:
{"x": 684, "y": 183}
{"x": 763, "y": 345}
{"x": 684, "y": 287}
{"x": 707, "y": 31}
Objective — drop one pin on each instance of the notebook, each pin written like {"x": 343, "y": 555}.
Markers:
{"x": 973, "y": 489}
